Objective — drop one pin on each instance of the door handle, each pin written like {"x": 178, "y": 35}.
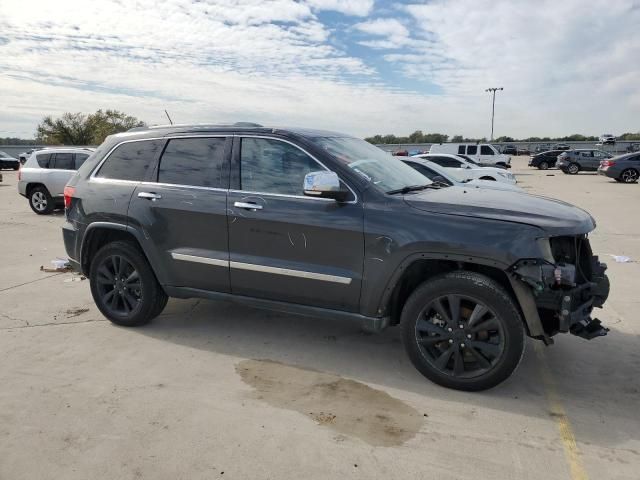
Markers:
{"x": 150, "y": 196}
{"x": 248, "y": 205}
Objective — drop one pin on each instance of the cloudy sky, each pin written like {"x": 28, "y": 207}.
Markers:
{"x": 358, "y": 66}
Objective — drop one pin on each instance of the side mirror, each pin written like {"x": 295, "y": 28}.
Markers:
{"x": 324, "y": 184}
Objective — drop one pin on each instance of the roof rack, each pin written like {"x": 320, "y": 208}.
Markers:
{"x": 201, "y": 125}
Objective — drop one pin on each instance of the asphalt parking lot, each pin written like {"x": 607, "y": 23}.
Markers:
{"x": 213, "y": 390}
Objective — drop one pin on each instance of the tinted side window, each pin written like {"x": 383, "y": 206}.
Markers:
{"x": 461, "y": 149}
{"x": 272, "y": 166}
{"x": 485, "y": 150}
{"x": 130, "y": 161}
{"x": 63, "y": 161}
{"x": 426, "y": 171}
{"x": 472, "y": 149}
{"x": 193, "y": 161}
{"x": 43, "y": 160}
{"x": 80, "y": 158}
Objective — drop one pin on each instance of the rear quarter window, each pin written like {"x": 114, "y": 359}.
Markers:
{"x": 130, "y": 161}
{"x": 43, "y": 160}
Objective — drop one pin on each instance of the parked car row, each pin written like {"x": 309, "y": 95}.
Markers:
{"x": 622, "y": 168}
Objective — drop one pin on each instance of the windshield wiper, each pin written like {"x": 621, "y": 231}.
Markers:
{"x": 412, "y": 188}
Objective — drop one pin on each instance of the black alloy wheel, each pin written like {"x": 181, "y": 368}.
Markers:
{"x": 119, "y": 286}
{"x": 463, "y": 330}
{"x": 123, "y": 285}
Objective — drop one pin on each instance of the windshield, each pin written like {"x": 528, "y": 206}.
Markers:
{"x": 469, "y": 159}
{"x": 4, "y": 154}
{"x": 376, "y": 166}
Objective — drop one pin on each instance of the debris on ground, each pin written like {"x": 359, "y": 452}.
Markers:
{"x": 74, "y": 312}
{"x": 621, "y": 258}
{"x": 59, "y": 265}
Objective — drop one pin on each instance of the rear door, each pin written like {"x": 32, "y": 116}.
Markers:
{"x": 587, "y": 160}
{"x": 61, "y": 169}
{"x": 472, "y": 151}
{"x": 182, "y": 209}
{"x": 284, "y": 245}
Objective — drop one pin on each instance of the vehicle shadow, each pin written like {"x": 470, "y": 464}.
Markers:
{"x": 587, "y": 375}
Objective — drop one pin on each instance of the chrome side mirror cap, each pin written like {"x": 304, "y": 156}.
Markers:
{"x": 324, "y": 184}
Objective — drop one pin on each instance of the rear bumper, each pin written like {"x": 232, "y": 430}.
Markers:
{"x": 70, "y": 238}
{"x": 22, "y": 188}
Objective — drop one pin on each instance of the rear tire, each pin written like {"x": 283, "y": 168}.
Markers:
{"x": 630, "y": 175}
{"x": 123, "y": 285}
{"x": 41, "y": 201}
{"x": 462, "y": 330}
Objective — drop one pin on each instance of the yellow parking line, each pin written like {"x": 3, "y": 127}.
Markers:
{"x": 571, "y": 452}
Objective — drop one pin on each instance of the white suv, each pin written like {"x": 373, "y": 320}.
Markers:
{"x": 45, "y": 173}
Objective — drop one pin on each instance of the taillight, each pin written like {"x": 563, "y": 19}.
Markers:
{"x": 68, "y": 195}
{"x": 19, "y": 172}
{"x": 607, "y": 163}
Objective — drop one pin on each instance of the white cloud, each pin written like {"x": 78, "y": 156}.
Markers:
{"x": 348, "y": 7}
{"x": 565, "y": 68}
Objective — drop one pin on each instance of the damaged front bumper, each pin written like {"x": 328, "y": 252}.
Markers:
{"x": 565, "y": 294}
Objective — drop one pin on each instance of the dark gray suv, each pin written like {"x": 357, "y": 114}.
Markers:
{"x": 323, "y": 224}
{"x": 582, "y": 160}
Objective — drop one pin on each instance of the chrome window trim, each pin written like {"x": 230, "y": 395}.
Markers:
{"x": 197, "y": 259}
{"x": 248, "y": 135}
{"x": 262, "y": 268}
{"x": 94, "y": 177}
{"x": 290, "y": 272}
{"x": 194, "y": 187}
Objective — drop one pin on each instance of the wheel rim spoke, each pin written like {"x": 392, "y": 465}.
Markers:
{"x": 481, "y": 359}
{"x": 428, "y": 327}
{"x": 488, "y": 324}
{"x": 133, "y": 278}
{"x": 454, "y": 307}
{"x": 438, "y": 307}
{"x": 458, "y": 362}
{"x": 486, "y": 347}
{"x": 442, "y": 360}
{"x": 478, "y": 312}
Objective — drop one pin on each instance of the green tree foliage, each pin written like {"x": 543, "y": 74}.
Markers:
{"x": 81, "y": 129}
{"x": 629, "y": 136}
{"x": 16, "y": 141}
{"x": 415, "y": 137}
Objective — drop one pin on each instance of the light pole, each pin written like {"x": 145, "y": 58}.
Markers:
{"x": 493, "y": 105}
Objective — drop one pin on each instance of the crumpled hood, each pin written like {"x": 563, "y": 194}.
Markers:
{"x": 553, "y": 216}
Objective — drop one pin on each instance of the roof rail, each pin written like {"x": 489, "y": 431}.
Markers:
{"x": 204, "y": 125}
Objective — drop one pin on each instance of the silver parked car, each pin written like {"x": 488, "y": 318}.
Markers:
{"x": 45, "y": 173}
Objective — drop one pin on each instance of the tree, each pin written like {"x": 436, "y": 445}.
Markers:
{"x": 81, "y": 129}
{"x": 457, "y": 139}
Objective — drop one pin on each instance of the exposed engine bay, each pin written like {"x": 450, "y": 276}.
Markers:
{"x": 567, "y": 284}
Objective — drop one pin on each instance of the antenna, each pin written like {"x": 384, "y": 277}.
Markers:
{"x": 167, "y": 114}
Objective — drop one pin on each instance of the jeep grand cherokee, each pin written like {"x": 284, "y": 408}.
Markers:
{"x": 324, "y": 224}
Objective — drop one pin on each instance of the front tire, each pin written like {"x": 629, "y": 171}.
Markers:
{"x": 462, "y": 330}
{"x": 573, "y": 168}
{"x": 488, "y": 178}
{"x": 41, "y": 201}
{"x": 543, "y": 166}
{"x": 124, "y": 287}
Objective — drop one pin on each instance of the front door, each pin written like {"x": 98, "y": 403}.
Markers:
{"x": 284, "y": 245}
{"x": 182, "y": 212}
